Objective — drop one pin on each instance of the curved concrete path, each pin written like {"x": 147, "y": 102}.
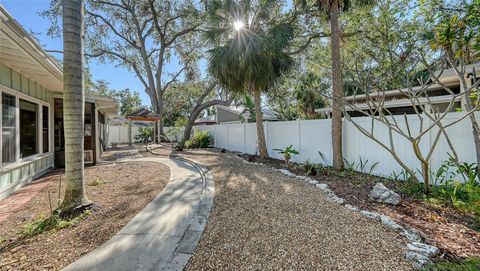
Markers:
{"x": 165, "y": 233}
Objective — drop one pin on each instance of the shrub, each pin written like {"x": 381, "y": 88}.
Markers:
{"x": 466, "y": 265}
{"x": 200, "y": 139}
{"x": 287, "y": 153}
{"x": 456, "y": 184}
{"x": 145, "y": 134}
{"x": 310, "y": 168}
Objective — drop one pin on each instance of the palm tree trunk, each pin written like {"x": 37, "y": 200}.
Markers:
{"x": 73, "y": 104}
{"x": 262, "y": 145}
{"x": 337, "y": 87}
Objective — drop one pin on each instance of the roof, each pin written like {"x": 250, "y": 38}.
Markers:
{"x": 206, "y": 120}
{"x": 104, "y": 104}
{"x": 21, "y": 52}
{"x": 143, "y": 114}
{"x": 241, "y": 110}
{"x": 447, "y": 77}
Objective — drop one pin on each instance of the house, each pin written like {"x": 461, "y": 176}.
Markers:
{"x": 397, "y": 102}
{"x": 31, "y": 86}
{"x": 234, "y": 114}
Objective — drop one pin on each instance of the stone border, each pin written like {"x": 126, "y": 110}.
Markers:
{"x": 418, "y": 252}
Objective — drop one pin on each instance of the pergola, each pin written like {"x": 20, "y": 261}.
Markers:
{"x": 146, "y": 116}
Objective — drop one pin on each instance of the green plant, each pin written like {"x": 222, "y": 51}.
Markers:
{"x": 350, "y": 166}
{"x": 200, "y": 139}
{"x": 52, "y": 222}
{"x": 287, "y": 153}
{"x": 472, "y": 264}
{"x": 323, "y": 157}
{"x": 97, "y": 182}
{"x": 145, "y": 135}
{"x": 310, "y": 168}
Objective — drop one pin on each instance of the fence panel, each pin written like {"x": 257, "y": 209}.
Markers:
{"x": 313, "y": 136}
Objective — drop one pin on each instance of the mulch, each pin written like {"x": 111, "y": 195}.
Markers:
{"x": 125, "y": 189}
{"x": 455, "y": 232}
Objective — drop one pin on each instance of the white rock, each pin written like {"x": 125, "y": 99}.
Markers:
{"x": 322, "y": 186}
{"x": 372, "y": 215}
{"x": 387, "y": 221}
{"x": 411, "y": 234}
{"x": 382, "y": 194}
{"x": 417, "y": 259}
{"x": 286, "y": 172}
{"x": 336, "y": 199}
{"x": 423, "y": 249}
{"x": 312, "y": 182}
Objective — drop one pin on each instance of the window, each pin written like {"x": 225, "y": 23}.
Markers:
{"x": 8, "y": 128}
{"x": 45, "y": 129}
{"x": 28, "y": 128}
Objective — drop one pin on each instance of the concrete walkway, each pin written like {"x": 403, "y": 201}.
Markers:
{"x": 165, "y": 233}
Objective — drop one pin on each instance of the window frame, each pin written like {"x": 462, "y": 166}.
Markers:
{"x": 39, "y": 103}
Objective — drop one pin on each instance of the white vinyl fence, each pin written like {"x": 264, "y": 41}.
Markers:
{"x": 310, "y": 137}
{"x": 119, "y": 134}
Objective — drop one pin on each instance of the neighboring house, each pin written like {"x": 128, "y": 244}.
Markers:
{"x": 234, "y": 114}
{"x": 31, "y": 86}
{"x": 398, "y": 103}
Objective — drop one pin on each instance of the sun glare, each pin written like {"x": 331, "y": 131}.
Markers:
{"x": 238, "y": 25}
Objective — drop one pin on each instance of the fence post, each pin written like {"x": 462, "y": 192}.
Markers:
{"x": 299, "y": 140}
{"x": 245, "y": 137}
{"x": 267, "y": 136}
{"x": 228, "y": 137}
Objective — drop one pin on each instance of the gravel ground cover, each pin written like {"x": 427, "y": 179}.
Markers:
{"x": 451, "y": 230}
{"x": 264, "y": 220}
{"x": 120, "y": 190}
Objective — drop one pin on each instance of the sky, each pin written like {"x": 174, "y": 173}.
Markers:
{"x": 26, "y": 13}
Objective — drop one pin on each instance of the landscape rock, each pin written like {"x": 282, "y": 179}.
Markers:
{"x": 412, "y": 235}
{"x": 322, "y": 186}
{"x": 423, "y": 249}
{"x": 372, "y": 215}
{"x": 382, "y": 194}
{"x": 287, "y": 173}
{"x": 387, "y": 221}
{"x": 335, "y": 199}
{"x": 417, "y": 259}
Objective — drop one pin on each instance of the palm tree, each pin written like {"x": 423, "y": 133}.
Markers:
{"x": 73, "y": 105}
{"x": 249, "y": 50}
{"x": 332, "y": 9}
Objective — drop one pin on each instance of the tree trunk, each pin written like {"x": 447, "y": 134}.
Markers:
{"x": 73, "y": 104}
{"x": 337, "y": 87}
{"x": 262, "y": 145}
{"x": 160, "y": 113}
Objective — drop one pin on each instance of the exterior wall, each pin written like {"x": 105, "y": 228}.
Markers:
{"x": 226, "y": 116}
{"x": 14, "y": 176}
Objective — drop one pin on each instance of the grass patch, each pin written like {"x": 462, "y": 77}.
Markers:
{"x": 53, "y": 222}
{"x": 97, "y": 182}
{"x": 472, "y": 264}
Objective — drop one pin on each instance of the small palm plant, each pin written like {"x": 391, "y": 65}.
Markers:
{"x": 287, "y": 153}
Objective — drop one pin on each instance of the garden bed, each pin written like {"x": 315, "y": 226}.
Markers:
{"x": 455, "y": 232}
{"x": 119, "y": 190}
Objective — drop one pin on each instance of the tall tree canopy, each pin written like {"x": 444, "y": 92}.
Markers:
{"x": 250, "y": 40}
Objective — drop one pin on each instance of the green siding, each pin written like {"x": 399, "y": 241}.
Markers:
{"x": 5, "y": 76}
{"x": 13, "y": 79}
{"x": 25, "y": 85}
{"x": 16, "y": 80}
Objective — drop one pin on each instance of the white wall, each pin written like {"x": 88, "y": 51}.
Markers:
{"x": 311, "y": 136}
